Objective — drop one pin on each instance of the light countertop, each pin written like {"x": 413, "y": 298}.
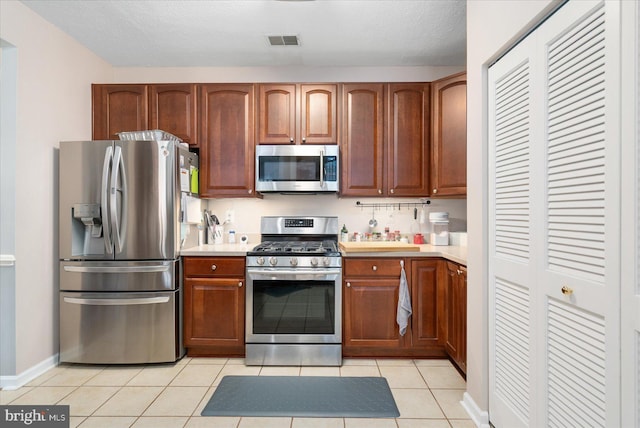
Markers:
{"x": 455, "y": 253}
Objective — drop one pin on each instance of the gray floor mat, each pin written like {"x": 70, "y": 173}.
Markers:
{"x": 302, "y": 396}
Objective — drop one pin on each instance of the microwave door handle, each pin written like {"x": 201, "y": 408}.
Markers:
{"x": 104, "y": 196}
{"x": 321, "y": 168}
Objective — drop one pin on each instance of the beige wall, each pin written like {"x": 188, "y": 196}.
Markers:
{"x": 282, "y": 74}
{"x": 491, "y": 27}
{"x": 54, "y": 74}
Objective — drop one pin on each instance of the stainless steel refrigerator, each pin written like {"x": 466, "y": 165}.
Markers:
{"x": 120, "y": 277}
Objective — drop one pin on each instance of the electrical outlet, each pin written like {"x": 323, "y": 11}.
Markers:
{"x": 230, "y": 216}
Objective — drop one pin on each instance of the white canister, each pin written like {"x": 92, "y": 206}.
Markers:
{"x": 439, "y": 228}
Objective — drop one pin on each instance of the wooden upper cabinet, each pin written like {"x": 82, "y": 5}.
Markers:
{"x": 277, "y": 114}
{"x": 318, "y": 114}
{"x": 118, "y": 108}
{"x": 297, "y": 114}
{"x": 226, "y": 140}
{"x": 449, "y": 141}
{"x": 172, "y": 108}
{"x": 408, "y": 139}
{"x": 122, "y": 108}
{"x": 362, "y": 145}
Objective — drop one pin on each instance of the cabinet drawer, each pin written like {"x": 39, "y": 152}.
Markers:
{"x": 372, "y": 267}
{"x": 213, "y": 266}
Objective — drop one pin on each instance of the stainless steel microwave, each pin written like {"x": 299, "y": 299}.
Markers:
{"x": 290, "y": 169}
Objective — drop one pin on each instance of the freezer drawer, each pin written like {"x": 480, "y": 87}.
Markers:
{"x": 119, "y": 276}
{"x": 120, "y": 328}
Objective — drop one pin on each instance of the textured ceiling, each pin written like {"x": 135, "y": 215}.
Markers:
{"x": 210, "y": 33}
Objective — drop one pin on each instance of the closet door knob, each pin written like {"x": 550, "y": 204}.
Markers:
{"x": 567, "y": 291}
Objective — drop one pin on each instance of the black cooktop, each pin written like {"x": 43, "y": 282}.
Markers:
{"x": 324, "y": 248}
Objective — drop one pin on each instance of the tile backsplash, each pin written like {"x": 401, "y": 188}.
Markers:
{"x": 246, "y": 213}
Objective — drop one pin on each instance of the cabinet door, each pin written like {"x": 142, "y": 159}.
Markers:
{"x": 318, "y": 114}
{"x": 172, "y": 108}
{"x": 277, "y": 114}
{"x": 462, "y": 302}
{"x": 408, "y": 139}
{"x": 449, "y": 141}
{"x": 226, "y": 140}
{"x": 118, "y": 108}
{"x": 427, "y": 302}
{"x": 456, "y": 313}
{"x": 370, "y": 314}
{"x": 214, "y": 313}
{"x": 362, "y": 145}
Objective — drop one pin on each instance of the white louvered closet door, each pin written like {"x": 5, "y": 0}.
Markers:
{"x": 512, "y": 275}
{"x": 555, "y": 297}
{"x": 630, "y": 313}
{"x": 581, "y": 173}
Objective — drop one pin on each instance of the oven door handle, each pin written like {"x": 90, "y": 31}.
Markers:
{"x": 277, "y": 272}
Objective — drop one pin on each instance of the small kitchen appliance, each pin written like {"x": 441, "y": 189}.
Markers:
{"x": 297, "y": 169}
{"x": 121, "y": 205}
{"x": 294, "y": 294}
{"x": 439, "y": 228}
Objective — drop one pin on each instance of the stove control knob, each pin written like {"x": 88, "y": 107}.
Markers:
{"x": 314, "y": 262}
{"x": 293, "y": 261}
{"x": 273, "y": 261}
{"x": 260, "y": 260}
{"x": 326, "y": 261}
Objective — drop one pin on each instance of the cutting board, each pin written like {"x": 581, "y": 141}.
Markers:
{"x": 360, "y": 247}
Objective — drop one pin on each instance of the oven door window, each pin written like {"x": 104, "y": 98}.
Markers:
{"x": 293, "y": 307}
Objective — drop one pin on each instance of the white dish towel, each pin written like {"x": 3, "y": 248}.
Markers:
{"x": 404, "y": 302}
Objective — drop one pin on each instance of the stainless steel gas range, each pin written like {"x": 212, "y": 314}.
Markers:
{"x": 294, "y": 294}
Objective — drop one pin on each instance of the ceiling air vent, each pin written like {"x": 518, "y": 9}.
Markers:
{"x": 283, "y": 40}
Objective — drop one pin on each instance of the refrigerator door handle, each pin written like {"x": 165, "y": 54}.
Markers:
{"x": 104, "y": 196}
{"x": 119, "y": 223}
{"x": 118, "y": 269}
{"x": 117, "y": 301}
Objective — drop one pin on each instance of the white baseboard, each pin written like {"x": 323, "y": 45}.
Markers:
{"x": 478, "y": 416}
{"x": 14, "y": 382}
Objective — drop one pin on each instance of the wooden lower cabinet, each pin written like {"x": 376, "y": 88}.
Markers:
{"x": 428, "y": 304}
{"x": 370, "y": 295}
{"x": 214, "y": 302}
{"x": 456, "y": 310}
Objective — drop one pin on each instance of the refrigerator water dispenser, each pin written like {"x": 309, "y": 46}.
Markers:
{"x": 87, "y": 229}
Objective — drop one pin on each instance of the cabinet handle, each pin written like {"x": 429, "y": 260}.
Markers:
{"x": 214, "y": 267}
{"x": 566, "y": 291}
{"x": 374, "y": 268}
{"x": 304, "y": 140}
{"x": 379, "y": 191}
{"x": 459, "y": 272}
{"x": 240, "y": 284}
{"x": 392, "y": 191}
{"x": 434, "y": 191}
{"x": 291, "y": 140}
{"x": 250, "y": 191}
{"x": 348, "y": 284}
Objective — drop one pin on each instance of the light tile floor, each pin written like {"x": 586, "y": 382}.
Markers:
{"x": 427, "y": 393}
